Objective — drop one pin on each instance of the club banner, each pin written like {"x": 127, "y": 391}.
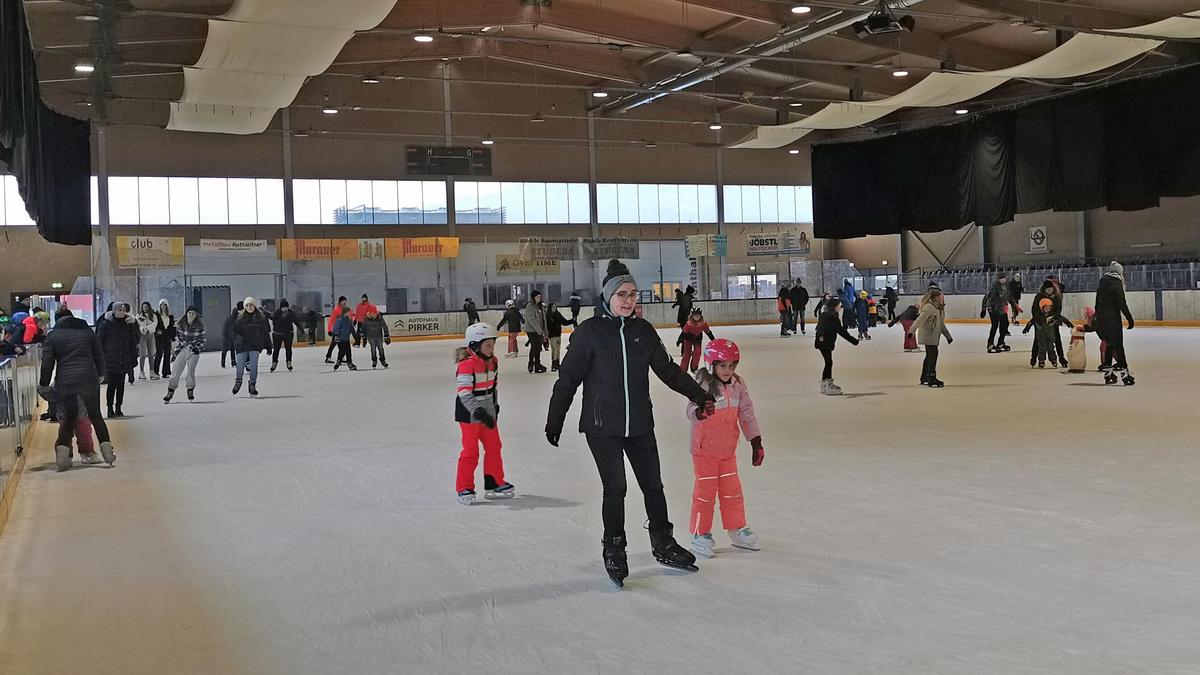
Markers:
{"x": 367, "y": 249}
{"x": 149, "y": 252}
{"x": 516, "y": 266}
{"x": 233, "y": 244}
{"x": 578, "y": 248}
{"x": 778, "y": 243}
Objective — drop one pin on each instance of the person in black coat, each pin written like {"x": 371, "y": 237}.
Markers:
{"x": 164, "y": 338}
{"x": 310, "y": 320}
{"x": 554, "y": 327}
{"x": 251, "y": 336}
{"x": 1050, "y": 289}
{"x": 684, "y": 301}
{"x": 829, "y": 327}
{"x": 511, "y": 322}
{"x": 1015, "y": 290}
{"x": 472, "y": 312}
{"x": 576, "y": 303}
{"x": 73, "y": 356}
{"x": 891, "y": 297}
{"x": 119, "y": 338}
{"x": 1110, "y": 308}
{"x": 799, "y": 296}
{"x": 283, "y": 333}
{"x": 612, "y": 355}
{"x": 227, "y": 334}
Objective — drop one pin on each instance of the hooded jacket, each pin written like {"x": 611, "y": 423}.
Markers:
{"x": 909, "y": 314}
{"x": 119, "y": 339}
{"x": 1110, "y": 303}
{"x": 612, "y": 358}
{"x": 343, "y": 328}
{"x": 251, "y": 332}
{"x": 829, "y": 327}
{"x": 75, "y": 352}
{"x": 475, "y": 378}
{"x": 997, "y": 299}
{"x": 374, "y": 328}
{"x": 555, "y": 322}
{"x": 930, "y": 325}
{"x": 30, "y": 331}
{"x": 799, "y": 297}
{"x": 166, "y": 321}
{"x": 362, "y": 309}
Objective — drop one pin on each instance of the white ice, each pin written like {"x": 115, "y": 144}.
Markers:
{"x": 1018, "y": 521}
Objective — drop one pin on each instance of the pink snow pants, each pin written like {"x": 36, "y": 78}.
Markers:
{"x": 714, "y": 458}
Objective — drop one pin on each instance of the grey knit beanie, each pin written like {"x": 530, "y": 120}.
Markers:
{"x": 617, "y": 274}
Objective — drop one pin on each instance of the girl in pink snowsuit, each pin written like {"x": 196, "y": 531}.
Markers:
{"x": 714, "y": 445}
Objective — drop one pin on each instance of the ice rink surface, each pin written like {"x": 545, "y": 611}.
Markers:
{"x": 1017, "y": 521}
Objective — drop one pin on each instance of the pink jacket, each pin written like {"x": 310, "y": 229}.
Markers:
{"x": 717, "y": 435}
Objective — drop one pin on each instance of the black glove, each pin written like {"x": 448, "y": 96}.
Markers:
{"x": 853, "y": 341}
{"x": 553, "y": 435}
{"x": 705, "y": 407}
{"x": 484, "y": 416}
{"x": 949, "y": 340}
{"x": 983, "y": 313}
{"x": 387, "y": 340}
{"x": 1130, "y": 324}
{"x": 757, "y": 453}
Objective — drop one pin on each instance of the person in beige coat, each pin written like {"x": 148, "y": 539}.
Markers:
{"x": 929, "y": 327}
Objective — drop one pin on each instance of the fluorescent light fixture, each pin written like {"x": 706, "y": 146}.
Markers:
{"x": 329, "y": 110}
{"x": 1150, "y": 244}
{"x": 852, "y": 264}
{"x": 300, "y": 134}
{"x": 961, "y": 111}
{"x": 537, "y": 119}
{"x": 793, "y": 151}
{"x": 600, "y": 94}
{"x": 795, "y": 104}
{"x": 56, "y": 285}
{"x": 801, "y": 9}
{"x": 84, "y": 67}
{"x": 900, "y": 73}
{"x": 86, "y": 17}
{"x": 423, "y": 37}
{"x": 715, "y": 126}
{"x": 487, "y": 28}
{"x": 370, "y": 80}
{"x": 884, "y": 262}
{"x": 488, "y": 140}
{"x": 651, "y": 144}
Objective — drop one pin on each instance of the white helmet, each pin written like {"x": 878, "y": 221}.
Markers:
{"x": 508, "y": 303}
{"x": 478, "y": 332}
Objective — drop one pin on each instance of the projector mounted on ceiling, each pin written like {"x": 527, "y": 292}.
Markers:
{"x": 883, "y": 21}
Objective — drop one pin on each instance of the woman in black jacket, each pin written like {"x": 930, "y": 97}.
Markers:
{"x": 554, "y": 327}
{"x": 1110, "y": 307}
{"x": 251, "y": 335}
{"x": 164, "y": 338}
{"x": 73, "y": 355}
{"x": 612, "y": 355}
{"x": 119, "y": 337}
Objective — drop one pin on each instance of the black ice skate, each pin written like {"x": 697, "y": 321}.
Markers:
{"x": 615, "y": 562}
{"x": 1126, "y": 377}
{"x": 191, "y": 394}
{"x": 253, "y": 391}
{"x": 167, "y": 398}
{"x": 289, "y": 365}
{"x": 1004, "y": 348}
{"x": 1110, "y": 377}
{"x": 237, "y": 386}
{"x": 274, "y": 365}
{"x": 992, "y": 350}
{"x": 383, "y": 363}
{"x": 935, "y": 383}
{"x": 668, "y": 552}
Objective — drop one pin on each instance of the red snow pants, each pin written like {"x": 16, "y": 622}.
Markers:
{"x": 473, "y": 435}
{"x": 691, "y": 356}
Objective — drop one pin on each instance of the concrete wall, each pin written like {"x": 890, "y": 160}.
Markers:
{"x": 29, "y": 263}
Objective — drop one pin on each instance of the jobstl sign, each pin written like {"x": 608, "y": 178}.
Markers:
{"x": 778, "y": 243}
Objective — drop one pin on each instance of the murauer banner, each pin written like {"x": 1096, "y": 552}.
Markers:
{"x": 778, "y": 243}
{"x": 368, "y": 249}
{"x": 149, "y": 252}
{"x": 578, "y": 248}
{"x": 516, "y": 266}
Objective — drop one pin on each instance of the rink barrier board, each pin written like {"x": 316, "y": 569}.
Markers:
{"x": 14, "y": 480}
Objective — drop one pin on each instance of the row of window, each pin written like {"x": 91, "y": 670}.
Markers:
{"x": 150, "y": 200}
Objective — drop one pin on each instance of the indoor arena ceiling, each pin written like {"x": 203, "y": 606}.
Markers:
{"x": 536, "y": 70}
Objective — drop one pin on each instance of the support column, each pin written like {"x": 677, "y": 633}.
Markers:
{"x": 724, "y": 272}
{"x": 900, "y": 251}
{"x": 289, "y": 206}
{"x": 1081, "y": 243}
{"x": 451, "y": 215}
{"x": 593, "y": 208}
{"x": 983, "y": 246}
{"x": 101, "y": 254}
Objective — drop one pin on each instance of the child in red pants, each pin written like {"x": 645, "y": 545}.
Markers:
{"x": 714, "y": 445}
{"x": 693, "y": 332}
{"x": 476, "y": 410}
{"x": 906, "y": 319}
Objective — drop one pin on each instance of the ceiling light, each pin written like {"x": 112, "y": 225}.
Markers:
{"x": 86, "y": 17}
{"x": 423, "y": 37}
{"x": 795, "y": 104}
{"x": 300, "y": 134}
{"x": 370, "y": 80}
{"x": 84, "y": 67}
{"x": 793, "y": 151}
{"x": 1041, "y": 30}
{"x": 852, "y": 264}
{"x": 884, "y": 262}
{"x": 537, "y": 118}
{"x": 86, "y": 104}
{"x": 651, "y": 144}
{"x": 961, "y": 111}
{"x": 329, "y": 110}
{"x": 600, "y": 94}
{"x": 801, "y": 9}
{"x": 357, "y": 107}
{"x": 715, "y": 126}
{"x": 397, "y": 77}
{"x": 488, "y": 140}
{"x": 487, "y": 28}
{"x": 900, "y": 73}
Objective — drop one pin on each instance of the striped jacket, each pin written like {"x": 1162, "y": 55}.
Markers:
{"x": 475, "y": 378}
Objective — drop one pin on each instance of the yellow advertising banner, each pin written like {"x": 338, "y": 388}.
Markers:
{"x": 517, "y": 266}
{"x": 422, "y": 247}
{"x": 149, "y": 252}
{"x": 367, "y": 249}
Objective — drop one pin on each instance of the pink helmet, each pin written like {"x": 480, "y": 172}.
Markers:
{"x": 721, "y": 350}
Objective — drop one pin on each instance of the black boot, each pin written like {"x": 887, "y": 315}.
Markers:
{"x": 668, "y": 552}
{"x": 615, "y": 562}
{"x": 554, "y": 365}
{"x": 167, "y": 398}
{"x": 531, "y": 366}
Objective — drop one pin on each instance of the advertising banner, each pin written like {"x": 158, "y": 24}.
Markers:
{"x": 317, "y": 249}
{"x": 149, "y": 252}
{"x": 579, "y": 248}
{"x": 605, "y": 248}
{"x": 778, "y": 243}
{"x": 367, "y": 249}
{"x": 233, "y": 244}
{"x": 422, "y": 247}
{"x": 515, "y": 266}
{"x": 414, "y": 324}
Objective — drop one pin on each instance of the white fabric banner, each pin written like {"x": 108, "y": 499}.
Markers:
{"x": 233, "y": 244}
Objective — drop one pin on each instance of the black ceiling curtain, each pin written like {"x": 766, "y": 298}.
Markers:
{"x": 1121, "y": 147}
{"x": 49, "y": 153}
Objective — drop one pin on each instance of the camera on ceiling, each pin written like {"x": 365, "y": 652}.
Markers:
{"x": 883, "y": 21}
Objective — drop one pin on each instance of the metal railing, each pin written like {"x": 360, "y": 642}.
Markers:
{"x": 18, "y": 406}
{"x": 1075, "y": 278}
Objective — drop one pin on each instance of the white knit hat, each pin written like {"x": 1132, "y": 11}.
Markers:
{"x": 250, "y": 301}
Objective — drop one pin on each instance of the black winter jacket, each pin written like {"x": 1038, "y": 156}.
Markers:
{"x": 472, "y": 312}
{"x": 1111, "y": 304}
{"x": 251, "y": 332}
{"x": 555, "y": 323}
{"x": 512, "y": 317}
{"x": 119, "y": 339}
{"x": 910, "y": 313}
{"x": 374, "y": 329}
{"x": 74, "y": 350}
{"x": 829, "y": 327}
{"x": 284, "y": 321}
{"x": 227, "y": 330}
{"x": 997, "y": 299}
{"x": 799, "y": 298}
{"x": 612, "y": 358}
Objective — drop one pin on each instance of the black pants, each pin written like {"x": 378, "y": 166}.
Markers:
{"x": 999, "y": 325}
{"x": 609, "y": 453}
{"x": 1058, "y": 348}
{"x": 827, "y": 354}
{"x": 312, "y": 335}
{"x": 332, "y": 346}
{"x": 283, "y": 340}
{"x": 535, "y": 349}
{"x": 929, "y": 368}
{"x": 344, "y": 353}
{"x": 69, "y": 411}
{"x": 1114, "y": 346}
{"x": 115, "y": 393}
{"x": 785, "y": 321}
{"x": 891, "y": 310}
{"x": 162, "y": 355}
{"x": 799, "y": 319}
{"x": 228, "y": 349}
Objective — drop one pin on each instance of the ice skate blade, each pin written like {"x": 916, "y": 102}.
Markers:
{"x": 676, "y": 566}
{"x": 499, "y": 495}
{"x": 747, "y": 548}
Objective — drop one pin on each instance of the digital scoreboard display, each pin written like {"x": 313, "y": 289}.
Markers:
{"x": 443, "y": 161}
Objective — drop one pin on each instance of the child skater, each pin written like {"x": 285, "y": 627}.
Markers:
{"x": 714, "y": 446}
{"x": 829, "y": 327}
{"x": 906, "y": 319}
{"x": 476, "y": 410}
{"x": 343, "y": 330}
{"x": 693, "y": 331}
{"x": 861, "y": 314}
{"x": 1077, "y": 351}
{"x": 1047, "y": 328}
